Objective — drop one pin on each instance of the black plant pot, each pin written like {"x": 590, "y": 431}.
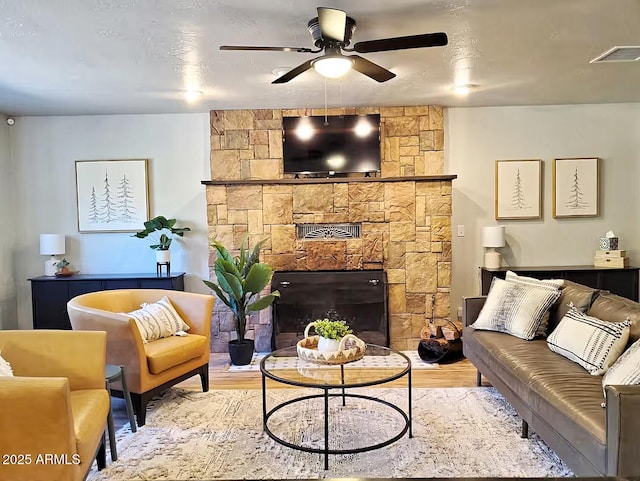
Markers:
{"x": 241, "y": 352}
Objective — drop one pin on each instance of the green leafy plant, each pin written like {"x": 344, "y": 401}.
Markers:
{"x": 162, "y": 231}
{"x": 240, "y": 281}
{"x": 62, "y": 264}
{"x": 332, "y": 329}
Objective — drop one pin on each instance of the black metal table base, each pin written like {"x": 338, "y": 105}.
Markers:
{"x": 326, "y": 451}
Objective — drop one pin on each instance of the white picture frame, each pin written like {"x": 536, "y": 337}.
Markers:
{"x": 518, "y": 189}
{"x": 576, "y": 189}
{"x": 112, "y": 195}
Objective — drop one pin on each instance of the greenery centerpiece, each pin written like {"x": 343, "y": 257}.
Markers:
{"x": 330, "y": 332}
{"x": 240, "y": 280}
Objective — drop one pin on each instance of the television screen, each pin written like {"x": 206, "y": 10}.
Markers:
{"x": 336, "y": 143}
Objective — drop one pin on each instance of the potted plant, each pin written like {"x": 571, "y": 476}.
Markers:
{"x": 239, "y": 283}
{"x": 330, "y": 333}
{"x": 162, "y": 231}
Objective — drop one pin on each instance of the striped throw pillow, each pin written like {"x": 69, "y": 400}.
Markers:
{"x": 158, "y": 320}
{"x": 592, "y": 343}
{"x": 531, "y": 281}
{"x": 5, "y": 368}
{"x": 626, "y": 370}
{"x": 515, "y": 308}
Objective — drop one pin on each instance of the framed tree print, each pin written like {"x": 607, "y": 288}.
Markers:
{"x": 518, "y": 189}
{"x": 112, "y": 195}
{"x": 576, "y": 188}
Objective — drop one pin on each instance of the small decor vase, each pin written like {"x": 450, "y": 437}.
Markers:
{"x": 326, "y": 344}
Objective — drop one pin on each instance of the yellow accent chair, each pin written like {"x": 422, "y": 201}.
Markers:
{"x": 152, "y": 367}
{"x": 53, "y": 412}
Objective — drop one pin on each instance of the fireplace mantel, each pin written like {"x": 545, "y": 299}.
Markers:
{"x": 330, "y": 180}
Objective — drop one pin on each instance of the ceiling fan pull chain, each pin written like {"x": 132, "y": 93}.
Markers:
{"x": 326, "y": 120}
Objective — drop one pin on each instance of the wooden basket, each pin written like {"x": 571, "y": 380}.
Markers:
{"x": 308, "y": 350}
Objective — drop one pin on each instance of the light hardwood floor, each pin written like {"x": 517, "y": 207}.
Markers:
{"x": 460, "y": 373}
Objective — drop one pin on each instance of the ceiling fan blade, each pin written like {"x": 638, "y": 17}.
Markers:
{"x": 400, "y": 43}
{"x": 293, "y": 73}
{"x": 370, "y": 69}
{"x": 269, "y": 49}
{"x": 332, "y": 23}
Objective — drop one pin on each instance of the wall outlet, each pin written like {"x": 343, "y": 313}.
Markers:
{"x": 461, "y": 230}
{"x": 459, "y": 313}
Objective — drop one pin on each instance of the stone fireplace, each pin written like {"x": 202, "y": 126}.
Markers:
{"x": 404, "y": 216}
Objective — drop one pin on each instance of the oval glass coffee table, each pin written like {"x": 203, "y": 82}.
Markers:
{"x": 379, "y": 365}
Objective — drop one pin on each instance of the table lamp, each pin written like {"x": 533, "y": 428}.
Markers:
{"x": 492, "y": 237}
{"x": 51, "y": 245}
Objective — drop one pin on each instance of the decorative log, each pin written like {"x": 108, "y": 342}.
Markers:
{"x": 450, "y": 334}
{"x": 436, "y": 331}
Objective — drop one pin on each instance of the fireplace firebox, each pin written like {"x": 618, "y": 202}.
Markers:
{"x": 358, "y": 297}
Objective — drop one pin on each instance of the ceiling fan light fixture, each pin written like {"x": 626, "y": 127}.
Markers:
{"x": 192, "y": 95}
{"x": 334, "y": 66}
{"x": 463, "y": 89}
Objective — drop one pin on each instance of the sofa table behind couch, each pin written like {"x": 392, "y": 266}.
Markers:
{"x": 623, "y": 282}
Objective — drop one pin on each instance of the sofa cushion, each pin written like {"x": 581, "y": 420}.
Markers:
{"x": 531, "y": 281}
{"x": 626, "y": 370}
{"x": 613, "y": 308}
{"x": 572, "y": 293}
{"x": 592, "y": 343}
{"x": 515, "y": 308}
{"x": 169, "y": 352}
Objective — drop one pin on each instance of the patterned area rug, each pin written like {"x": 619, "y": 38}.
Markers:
{"x": 379, "y": 362}
{"x": 458, "y": 432}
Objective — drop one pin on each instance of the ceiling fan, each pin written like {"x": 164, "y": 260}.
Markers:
{"x": 331, "y": 32}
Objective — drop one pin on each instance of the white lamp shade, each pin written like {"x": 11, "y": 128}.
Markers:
{"x": 493, "y": 236}
{"x": 333, "y": 66}
{"x": 52, "y": 244}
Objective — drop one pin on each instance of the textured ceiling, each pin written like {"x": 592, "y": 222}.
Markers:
{"x": 71, "y": 57}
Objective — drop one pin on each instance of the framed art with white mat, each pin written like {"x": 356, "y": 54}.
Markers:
{"x": 518, "y": 189}
{"x": 112, "y": 195}
{"x": 576, "y": 187}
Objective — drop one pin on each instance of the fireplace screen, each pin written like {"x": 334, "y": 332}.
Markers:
{"x": 357, "y": 297}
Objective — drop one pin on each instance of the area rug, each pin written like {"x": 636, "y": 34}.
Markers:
{"x": 457, "y": 432}
{"x": 377, "y": 362}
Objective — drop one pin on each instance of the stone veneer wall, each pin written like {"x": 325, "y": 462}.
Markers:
{"x": 406, "y": 224}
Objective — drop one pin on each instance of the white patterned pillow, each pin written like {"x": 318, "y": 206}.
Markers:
{"x": 626, "y": 370}
{"x": 515, "y": 308}
{"x": 5, "y": 368}
{"x": 158, "y": 320}
{"x": 588, "y": 341}
{"x": 555, "y": 283}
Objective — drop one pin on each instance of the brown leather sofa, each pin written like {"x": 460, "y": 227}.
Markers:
{"x": 157, "y": 365}
{"x": 53, "y": 412}
{"x": 555, "y": 396}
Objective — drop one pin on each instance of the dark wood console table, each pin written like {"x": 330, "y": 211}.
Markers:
{"x": 623, "y": 282}
{"x": 49, "y": 295}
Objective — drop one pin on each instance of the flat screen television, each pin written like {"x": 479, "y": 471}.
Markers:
{"x": 332, "y": 144}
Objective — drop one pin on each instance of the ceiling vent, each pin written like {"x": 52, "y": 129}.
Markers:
{"x": 619, "y": 54}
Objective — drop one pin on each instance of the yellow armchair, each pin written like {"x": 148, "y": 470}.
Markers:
{"x": 152, "y": 367}
{"x": 53, "y": 413}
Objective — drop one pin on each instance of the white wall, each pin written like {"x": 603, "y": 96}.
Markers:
{"x": 8, "y": 218}
{"x": 44, "y": 153}
{"x": 477, "y": 137}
